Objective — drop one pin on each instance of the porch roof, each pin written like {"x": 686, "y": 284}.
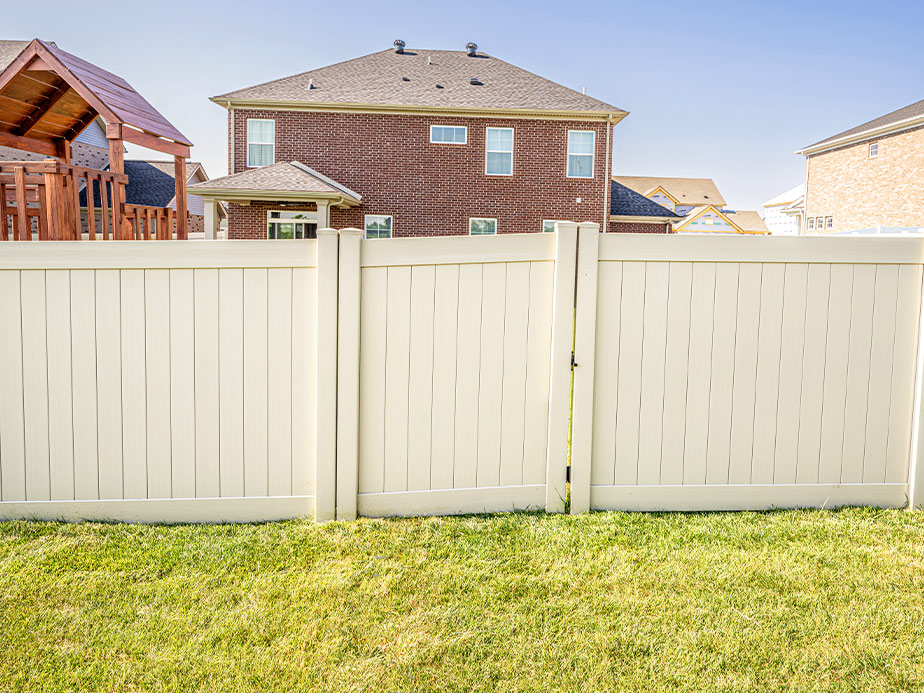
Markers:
{"x": 285, "y": 181}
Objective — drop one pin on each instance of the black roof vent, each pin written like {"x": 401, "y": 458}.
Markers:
{"x": 405, "y": 79}
{"x": 399, "y": 46}
{"x": 475, "y": 81}
{"x": 471, "y": 49}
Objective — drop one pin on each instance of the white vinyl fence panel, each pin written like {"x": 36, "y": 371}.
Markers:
{"x": 734, "y": 373}
{"x": 163, "y": 381}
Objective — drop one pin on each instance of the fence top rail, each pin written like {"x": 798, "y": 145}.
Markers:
{"x": 161, "y": 255}
{"x": 53, "y": 166}
{"x": 723, "y": 248}
{"x": 455, "y": 250}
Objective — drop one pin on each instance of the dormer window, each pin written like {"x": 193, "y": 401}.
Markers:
{"x": 261, "y": 142}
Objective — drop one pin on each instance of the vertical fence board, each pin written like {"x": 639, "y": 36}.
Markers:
{"x": 491, "y": 374}
{"x": 420, "y": 388}
{"x": 677, "y": 354}
{"x": 279, "y": 402}
{"x": 858, "y": 372}
{"x": 304, "y": 346}
{"x": 259, "y": 350}
{"x": 538, "y": 355}
{"x": 606, "y": 372}
{"x": 373, "y": 347}
{"x": 12, "y": 420}
{"x": 741, "y": 446}
{"x": 629, "y": 387}
{"x": 879, "y": 390}
{"x": 109, "y": 382}
{"x": 468, "y": 367}
{"x": 813, "y": 373}
{"x": 60, "y": 395}
{"x": 231, "y": 381}
{"x": 654, "y": 354}
{"x": 443, "y": 412}
{"x": 35, "y": 385}
{"x": 205, "y": 289}
{"x": 721, "y": 388}
{"x": 182, "y": 384}
{"x": 397, "y": 375}
{"x": 157, "y": 350}
{"x": 699, "y": 373}
{"x": 134, "y": 386}
{"x": 792, "y": 343}
{"x": 516, "y": 348}
{"x": 769, "y": 345}
{"x": 83, "y": 383}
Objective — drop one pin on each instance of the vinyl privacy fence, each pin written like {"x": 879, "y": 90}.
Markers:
{"x": 257, "y": 380}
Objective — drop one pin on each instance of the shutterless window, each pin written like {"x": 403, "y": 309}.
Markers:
{"x": 581, "y": 153}
{"x": 282, "y": 224}
{"x": 873, "y": 150}
{"x": 548, "y": 225}
{"x": 261, "y": 142}
{"x": 448, "y": 134}
{"x": 829, "y": 222}
{"x": 811, "y": 223}
{"x": 480, "y": 226}
{"x": 378, "y": 225}
{"x": 498, "y": 159}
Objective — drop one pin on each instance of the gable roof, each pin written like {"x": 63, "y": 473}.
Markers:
{"x": 424, "y": 79}
{"x": 287, "y": 179}
{"x": 748, "y": 220}
{"x": 901, "y": 119}
{"x": 741, "y": 221}
{"x": 150, "y": 183}
{"x": 687, "y": 191}
{"x": 625, "y": 202}
{"x": 53, "y": 95}
{"x": 787, "y": 197}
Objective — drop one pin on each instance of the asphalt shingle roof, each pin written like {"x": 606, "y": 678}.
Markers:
{"x": 150, "y": 183}
{"x": 628, "y": 203}
{"x": 911, "y": 111}
{"x": 285, "y": 176}
{"x": 687, "y": 191}
{"x": 424, "y": 78}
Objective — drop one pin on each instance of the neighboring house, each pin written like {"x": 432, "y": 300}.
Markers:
{"x": 783, "y": 213}
{"x": 632, "y": 212}
{"x": 413, "y": 143}
{"x": 869, "y": 176}
{"x": 696, "y": 203}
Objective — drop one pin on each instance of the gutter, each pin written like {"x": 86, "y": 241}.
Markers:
{"x": 856, "y": 138}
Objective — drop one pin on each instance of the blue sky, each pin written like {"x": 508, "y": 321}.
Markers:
{"x": 717, "y": 88}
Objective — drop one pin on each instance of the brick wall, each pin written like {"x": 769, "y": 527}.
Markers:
{"x": 430, "y": 189}
{"x": 860, "y": 192}
{"x": 638, "y": 227}
{"x": 249, "y": 221}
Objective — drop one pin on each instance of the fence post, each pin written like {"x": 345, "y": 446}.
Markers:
{"x": 348, "y": 374}
{"x": 560, "y": 366}
{"x": 916, "y": 457}
{"x": 585, "y": 341}
{"x": 325, "y": 473}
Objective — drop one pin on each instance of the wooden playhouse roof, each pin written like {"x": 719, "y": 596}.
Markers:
{"x": 48, "y": 96}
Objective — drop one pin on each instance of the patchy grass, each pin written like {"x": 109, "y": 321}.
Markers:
{"x": 747, "y": 601}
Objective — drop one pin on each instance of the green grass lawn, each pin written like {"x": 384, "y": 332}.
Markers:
{"x": 606, "y": 601}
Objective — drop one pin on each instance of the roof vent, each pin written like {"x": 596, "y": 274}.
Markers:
{"x": 471, "y": 49}
{"x": 405, "y": 79}
{"x": 399, "y": 46}
{"x": 310, "y": 84}
{"x": 474, "y": 81}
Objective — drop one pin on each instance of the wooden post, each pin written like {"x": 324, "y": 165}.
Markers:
{"x": 75, "y": 202}
{"x": 104, "y": 207}
{"x": 120, "y": 230}
{"x": 325, "y": 483}
{"x": 560, "y": 376}
{"x": 52, "y": 200}
{"x": 91, "y": 209}
{"x": 168, "y": 227}
{"x": 585, "y": 342}
{"x": 179, "y": 174}
{"x": 19, "y": 180}
{"x": 348, "y": 375}
{"x": 4, "y": 224}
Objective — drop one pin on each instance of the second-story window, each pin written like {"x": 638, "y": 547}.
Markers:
{"x": 873, "y": 150}
{"x": 581, "y": 153}
{"x": 448, "y": 134}
{"x": 261, "y": 142}
{"x": 498, "y": 157}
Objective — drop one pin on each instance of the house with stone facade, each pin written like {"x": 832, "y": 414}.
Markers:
{"x": 415, "y": 142}
{"x": 868, "y": 178}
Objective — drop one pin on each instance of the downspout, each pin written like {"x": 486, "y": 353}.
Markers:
{"x": 231, "y": 170}
{"x": 606, "y": 179}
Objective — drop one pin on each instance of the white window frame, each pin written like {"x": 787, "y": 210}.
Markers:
{"x": 270, "y": 144}
{"x": 811, "y": 223}
{"x": 593, "y": 155}
{"x": 873, "y": 150}
{"x": 471, "y": 219}
{"x": 829, "y": 223}
{"x": 366, "y": 217}
{"x": 552, "y": 222}
{"x": 497, "y": 151}
{"x": 463, "y": 128}
{"x": 312, "y": 218}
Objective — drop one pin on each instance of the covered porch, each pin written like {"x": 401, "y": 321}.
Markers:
{"x": 297, "y": 199}
{"x": 47, "y": 98}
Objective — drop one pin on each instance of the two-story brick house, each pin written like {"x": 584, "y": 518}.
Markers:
{"x": 412, "y": 143}
{"x": 868, "y": 177}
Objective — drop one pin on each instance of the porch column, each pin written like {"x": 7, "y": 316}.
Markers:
{"x": 323, "y": 215}
{"x": 211, "y": 217}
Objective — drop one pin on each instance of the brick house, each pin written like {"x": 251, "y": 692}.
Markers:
{"x": 868, "y": 177}
{"x": 413, "y": 143}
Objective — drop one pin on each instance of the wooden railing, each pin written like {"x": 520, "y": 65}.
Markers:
{"x": 150, "y": 223}
{"x": 43, "y": 199}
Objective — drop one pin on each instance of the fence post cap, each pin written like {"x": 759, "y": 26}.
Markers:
{"x": 351, "y": 232}
{"x": 327, "y": 232}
